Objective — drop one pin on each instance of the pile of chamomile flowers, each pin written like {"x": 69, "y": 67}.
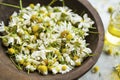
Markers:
{"x": 47, "y": 39}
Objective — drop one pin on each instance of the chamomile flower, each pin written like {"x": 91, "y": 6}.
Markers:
{"x": 41, "y": 54}
{"x": 43, "y": 69}
{"x": 64, "y": 69}
{"x": 20, "y": 57}
{"x": 75, "y": 18}
{"x": 2, "y": 28}
{"x": 86, "y": 23}
{"x": 11, "y": 40}
{"x": 30, "y": 68}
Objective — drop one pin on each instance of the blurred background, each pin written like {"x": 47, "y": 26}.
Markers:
{"x": 108, "y": 65}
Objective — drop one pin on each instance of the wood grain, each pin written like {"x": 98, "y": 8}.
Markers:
{"x": 8, "y": 70}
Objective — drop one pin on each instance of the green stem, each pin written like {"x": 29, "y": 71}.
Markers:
{"x": 17, "y": 66}
{"x": 28, "y": 71}
{"x": 92, "y": 27}
{"x": 63, "y": 2}
{"x": 90, "y": 55}
{"x": 52, "y": 2}
{"x": 82, "y": 13}
{"x": 10, "y": 5}
{"x": 1, "y": 37}
{"x": 21, "y": 6}
{"x": 99, "y": 74}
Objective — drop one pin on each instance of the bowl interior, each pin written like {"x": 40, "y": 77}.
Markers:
{"x": 95, "y": 40}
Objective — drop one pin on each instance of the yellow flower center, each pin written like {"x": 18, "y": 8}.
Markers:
{"x": 95, "y": 69}
{"x": 78, "y": 63}
{"x": 32, "y": 6}
{"x": 64, "y": 68}
{"x": 64, "y": 33}
{"x": 75, "y": 57}
{"x": 35, "y": 28}
{"x": 69, "y": 37}
{"x": 11, "y": 51}
{"x": 42, "y": 68}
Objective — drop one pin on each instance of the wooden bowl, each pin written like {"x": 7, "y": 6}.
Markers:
{"x": 8, "y": 71}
